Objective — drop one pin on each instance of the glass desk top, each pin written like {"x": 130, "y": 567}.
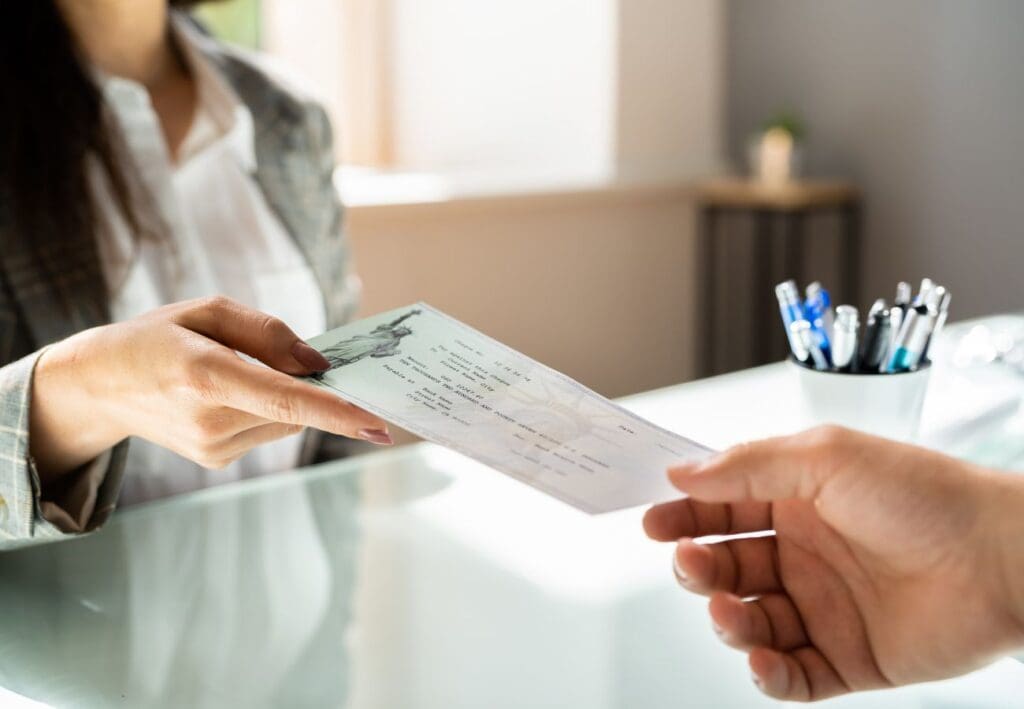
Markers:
{"x": 411, "y": 578}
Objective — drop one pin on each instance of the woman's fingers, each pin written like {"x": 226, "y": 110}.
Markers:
{"x": 745, "y": 567}
{"x": 257, "y": 334}
{"x": 692, "y": 518}
{"x": 244, "y": 441}
{"x": 229, "y": 381}
{"x": 800, "y": 675}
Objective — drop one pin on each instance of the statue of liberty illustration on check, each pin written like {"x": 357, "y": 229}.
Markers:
{"x": 382, "y": 341}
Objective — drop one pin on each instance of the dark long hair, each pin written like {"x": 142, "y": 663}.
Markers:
{"x": 52, "y": 118}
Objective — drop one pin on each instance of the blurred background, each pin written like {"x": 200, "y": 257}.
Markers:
{"x": 547, "y": 169}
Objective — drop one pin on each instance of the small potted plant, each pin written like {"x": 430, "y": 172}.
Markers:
{"x": 775, "y": 151}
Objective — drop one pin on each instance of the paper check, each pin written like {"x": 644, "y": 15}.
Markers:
{"x": 450, "y": 384}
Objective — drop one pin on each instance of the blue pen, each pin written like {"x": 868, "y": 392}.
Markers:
{"x": 817, "y": 294}
{"x": 815, "y": 313}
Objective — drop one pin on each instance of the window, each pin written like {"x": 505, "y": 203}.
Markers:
{"x": 587, "y": 87}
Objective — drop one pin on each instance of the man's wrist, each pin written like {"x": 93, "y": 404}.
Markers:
{"x": 1008, "y": 518}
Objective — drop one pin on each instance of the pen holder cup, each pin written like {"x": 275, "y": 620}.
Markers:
{"x": 886, "y": 405}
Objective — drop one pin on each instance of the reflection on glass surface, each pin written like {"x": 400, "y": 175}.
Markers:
{"x": 996, "y": 341}
{"x": 240, "y": 603}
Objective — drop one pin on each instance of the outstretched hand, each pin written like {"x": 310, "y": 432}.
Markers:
{"x": 173, "y": 376}
{"x": 889, "y": 564}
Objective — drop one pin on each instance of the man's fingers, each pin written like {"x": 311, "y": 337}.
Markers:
{"x": 692, "y": 518}
{"x": 800, "y": 675}
{"x": 745, "y": 567}
{"x": 257, "y": 334}
{"x": 772, "y": 469}
{"x": 783, "y": 663}
{"x": 770, "y": 621}
{"x": 280, "y": 398}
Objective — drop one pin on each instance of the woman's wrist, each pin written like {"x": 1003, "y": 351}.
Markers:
{"x": 68, "y": 425}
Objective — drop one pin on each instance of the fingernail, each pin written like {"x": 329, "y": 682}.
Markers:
{"x": 309, "y": 357}
{"x": 681, "y": 576}
{"x": 757, "y": 681}
{"x": 718, "y": 629}
{"x": 376, "y": 436}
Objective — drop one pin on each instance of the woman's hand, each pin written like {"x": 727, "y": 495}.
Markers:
{"x": 889, "y": 564}
{"x": 172, "y": 376}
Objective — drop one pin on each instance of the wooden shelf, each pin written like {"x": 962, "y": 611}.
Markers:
{"x": 742, "y": 193}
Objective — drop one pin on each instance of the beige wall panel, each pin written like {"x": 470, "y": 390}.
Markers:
{"x": 600, "y": 288}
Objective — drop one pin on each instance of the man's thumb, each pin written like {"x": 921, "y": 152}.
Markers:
{"x": 771, "y": 469}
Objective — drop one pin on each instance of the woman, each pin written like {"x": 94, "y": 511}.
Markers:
{"x": 164, "y": 203}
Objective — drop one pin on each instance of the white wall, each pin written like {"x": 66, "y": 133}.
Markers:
{"x": 576, "y": 86}
{"x": 511, "y": 83}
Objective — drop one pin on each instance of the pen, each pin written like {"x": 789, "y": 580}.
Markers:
{"x": 876, "y": 338}
{"x": 801, "y": 329}
{"x": 822, "y": 300}
{"x": 913, "y": 338}
{"x": 903, "y": 295}
{"x": 922, "y": 295}
{"x": 942, "y": 305}
{"x": 815, "y": 312}
{"x": 895, "y": 338}
{"x": 943, "y": 311}
{"x": 789, "y": 306}
{"x": 844, "y": 338}
{"x": 896, "y": 317}
{"x": 800, "y": 352}
{"x": 935, "y": 296}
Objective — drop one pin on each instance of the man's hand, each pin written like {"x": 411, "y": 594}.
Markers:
{"x": 172, "y": 376}
{"x": 889, "y": 564}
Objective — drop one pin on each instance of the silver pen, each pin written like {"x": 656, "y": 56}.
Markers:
{"x": 789, "y": 307}
{"x": 896, "y": 314}
{"x": 927, "y": 284}
{"x": 844, "y": 338}
{"x": 800, "y": 351}
{"x": 903, "y": 295}
{"x": 941, "y": 303}
{"x": 802, "y": 331}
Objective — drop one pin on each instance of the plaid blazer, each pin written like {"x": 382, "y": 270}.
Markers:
{"x": 295, "y": 165}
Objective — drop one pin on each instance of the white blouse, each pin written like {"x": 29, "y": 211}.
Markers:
{"x": 223, "y": 239}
